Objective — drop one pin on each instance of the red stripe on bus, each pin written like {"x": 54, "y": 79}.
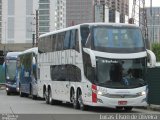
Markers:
{"x": 94, "y": 94}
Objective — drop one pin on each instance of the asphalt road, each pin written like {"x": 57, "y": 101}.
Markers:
{"x": 28, "y": 109}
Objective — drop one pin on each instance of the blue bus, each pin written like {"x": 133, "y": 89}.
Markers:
{"x": 10, "y": 67}
{"x": 28, "y": 73}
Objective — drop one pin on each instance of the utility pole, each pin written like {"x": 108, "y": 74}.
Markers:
{"x": 5, "y": 45}
{"x": 33, "y": 40}
{"x": 37, "y": 26}
{"x": 139, "y": 17}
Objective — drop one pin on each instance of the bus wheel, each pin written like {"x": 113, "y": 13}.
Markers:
{"x": 34, "y": 97}
{"x": 8, "y": 93}
{"x": 74, "y": 100}
{"x": 81, "y": 104}
{"x": 50, "y": 97}
{"x": 128, "y": 109}
{"x": 20, "y": 92}
{"x": 46, "y": 97}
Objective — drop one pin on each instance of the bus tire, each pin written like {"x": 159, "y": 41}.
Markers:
{"x": 50, "y": 97}
{"x": 46, "y": 97}
{"x": 80, "y": 102}
{"x": 20, "y": 92}
{"x": 74, "y": 100}
{"x": 51, "y": 100}
{"x": 8, "y": 93}
{"x": 34, "y": 97}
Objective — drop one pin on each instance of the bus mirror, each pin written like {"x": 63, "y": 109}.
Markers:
{"x": 92, "y": 56}
{"x": 33, "y": 60}
{"x": 151, "y": 58}
{"x": 147, "y": 43}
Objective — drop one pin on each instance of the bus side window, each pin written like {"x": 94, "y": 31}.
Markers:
{"x": 41, "y": 45}
{"x": 53, "y": 42}
{"x": 84, "y": 34}
{"x": 76, "y": 40}
{"x": 66, "y": 40}
{"x": 47, "y": 44}
{"x": 60, "y": 38}
{"x": 72, "y": 40}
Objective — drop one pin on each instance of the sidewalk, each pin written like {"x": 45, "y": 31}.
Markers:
{"x": 2, "y": 86}
{"x": 151, "y": 107}
{"x": 154, "y": 107}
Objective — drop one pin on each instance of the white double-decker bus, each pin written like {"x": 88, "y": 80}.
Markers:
{"x": 94, "y": 64}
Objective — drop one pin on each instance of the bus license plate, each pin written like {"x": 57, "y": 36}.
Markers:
{"x": 122, "y": 102}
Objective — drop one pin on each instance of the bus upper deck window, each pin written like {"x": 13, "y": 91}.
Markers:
{"x": 84, "y": 34}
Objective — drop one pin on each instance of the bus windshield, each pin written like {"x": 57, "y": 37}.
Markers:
{"x": 11, "y": 69}
{"x": 121, "y": 73}
{"x": 117, "y": 39}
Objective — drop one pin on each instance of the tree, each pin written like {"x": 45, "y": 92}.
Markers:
{"x": 156, "y": 50}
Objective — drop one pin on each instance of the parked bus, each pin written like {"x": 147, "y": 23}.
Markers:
{"x": 27, "y": 73}
{"x": 10, "y": 68}
{"x": 94, "y": 64}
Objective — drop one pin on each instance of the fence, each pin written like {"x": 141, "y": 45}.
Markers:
{"x": 2, "y": 77}
{"x": 153, "y": 78}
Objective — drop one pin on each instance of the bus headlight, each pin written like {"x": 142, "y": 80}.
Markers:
{"x": 7, "y": 77}
{"x": 141, "y": 93}
{"x": 99, "y": 93}
{"x": 7, "y": 88}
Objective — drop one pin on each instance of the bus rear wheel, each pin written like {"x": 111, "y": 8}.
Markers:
{"x": 46, "y": 96}
{"x": 50, "y": 97}
{"x": 34, "y": 97}
{"x": 51, "y": 100}
{"x": 74, "y": 100}
{"x": 20, "y": 92}
{"x": 8, "y": 93}
{"x": 80, "y": 101}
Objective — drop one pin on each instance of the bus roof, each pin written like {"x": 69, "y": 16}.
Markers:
{"x": 90, "y": 24}
{"x": 31, "y": 50}
{"x": 12, "y": 54}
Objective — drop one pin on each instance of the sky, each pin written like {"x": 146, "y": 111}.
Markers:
{"x": 155, "y": 3}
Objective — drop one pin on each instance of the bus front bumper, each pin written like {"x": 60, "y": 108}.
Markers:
{"x": 118, "y": 102}
{"x": 11, "y": 88}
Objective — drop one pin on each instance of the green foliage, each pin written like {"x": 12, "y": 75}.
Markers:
{"x": 156, "y": 50}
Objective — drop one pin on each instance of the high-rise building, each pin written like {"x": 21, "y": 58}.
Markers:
{"x": 118, "y": 9}
{"x": 71, "y": 12}
{"x": 60, "y": 14}
{"x": 17, "y": 24}
{"x": 18, "y": 19}
{"x": 79, "y": 11}
{"x": 0, "y": 21}
{"x": 153, "y": 24}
